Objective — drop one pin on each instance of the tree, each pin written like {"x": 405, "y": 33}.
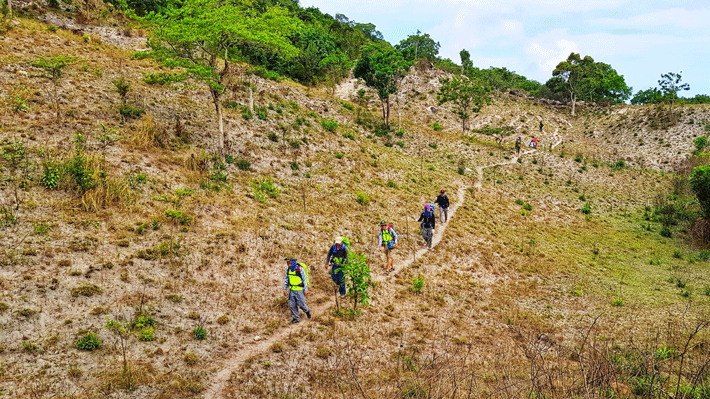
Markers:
{"x": 700, "y": 183}
{"x": 670, "y": 86}
{"x": 650, "y": 96}
{"x": 358, "y": 280}
{"x": 585, "y": 79}
{"x": 381, "y": 68}
{"x": 337, "y": 67}
{"x": 204, "y": 34}
{"x": 466, "y": 63}
{"x": 418, "y": 47}
{"x": 466, "y": 96}
{"x": 53, "y": 67}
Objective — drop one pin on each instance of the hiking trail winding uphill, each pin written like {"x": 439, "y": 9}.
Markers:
{"x": 220, "y": 380}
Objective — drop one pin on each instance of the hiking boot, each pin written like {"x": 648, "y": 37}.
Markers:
{"x": 294, "y": 321}
{"x": 308, "y": 314}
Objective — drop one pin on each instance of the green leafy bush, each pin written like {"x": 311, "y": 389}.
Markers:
{"x": 436, "y": 126}
{"x": 178, "y": 216}
{"x": 243, "y": 164}
{"x": 433, "y": 145}
{"x": 163, "y": 78}
{"x": 147, "y": 334}
{"x": 199, "y": 333}
{"x": 129, "y": 111}
{"x": 329, "y": 124}
{"x": 263, "y": 188}
{"x": 349, "y": 135}
{"x": 362, "y": 198}
{"x": 262, "y": 113}
{"x": 586, "y": 209}
{"x": 88, "y": 342}
{"x": 417, "y": 284}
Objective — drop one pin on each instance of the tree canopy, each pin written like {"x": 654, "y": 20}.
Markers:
{"x": 584, "y": 79}
{"x": 467, "y": 97}
{"x": 382, "y": 68}
{"x": 419, "y": 47}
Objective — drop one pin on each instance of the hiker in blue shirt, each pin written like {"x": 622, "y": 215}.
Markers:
{"x": 337, "y": 256}
{"x": 428, "y": 224}
{"x": 296, "y": 289}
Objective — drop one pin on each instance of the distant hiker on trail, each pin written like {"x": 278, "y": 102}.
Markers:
{"x": 541, "y": 125}
{"x": 443, "y": 201}
{"x": 518, "y": 144}
{"x": 388, "y": 242}
{"x": 533, "y": 143}
{"x": 337, "y": 256}
{"x": 428, "y": 223}
{"x": 296, "y": 288}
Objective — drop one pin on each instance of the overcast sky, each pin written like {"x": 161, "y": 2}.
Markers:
{"x": 640, "y": 39}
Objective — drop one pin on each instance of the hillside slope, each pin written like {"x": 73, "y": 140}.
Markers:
{"x": 152, "y": 226}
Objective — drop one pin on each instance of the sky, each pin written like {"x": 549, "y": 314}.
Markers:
{"x": 639, "y": 39}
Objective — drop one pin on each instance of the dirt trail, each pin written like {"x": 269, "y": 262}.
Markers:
{"x": 220, "y": 380}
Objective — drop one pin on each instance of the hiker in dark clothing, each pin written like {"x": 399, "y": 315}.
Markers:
{"x": 443, "y": 201}
{"x": 518, "y": 144}
{"x": 541, "y": 126}
{"x": 428, "y": 223}
{"x": 337, "y": 256}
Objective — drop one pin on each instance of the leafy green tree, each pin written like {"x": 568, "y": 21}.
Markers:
{"x": 418, "y": 47}
{"x": 670, "y": 86}
{"x": 467, "y": 97}
{"x": 650, "y": 96}
{"x": 466, "y": 63}
{"x": 204, "y": 35}
{"x": 336, "y": 66}
{"x": 383, "y": 69}
{"x": 700, "y": 183}
{"x": 358, "y": 280}
{"x": 583, "y": 79}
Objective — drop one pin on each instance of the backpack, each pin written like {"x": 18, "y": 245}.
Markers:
{"x": 305, "y": 271}
{"x": 432, "y": 209}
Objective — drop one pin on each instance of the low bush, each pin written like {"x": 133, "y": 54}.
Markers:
{"x": 88, "y": 342}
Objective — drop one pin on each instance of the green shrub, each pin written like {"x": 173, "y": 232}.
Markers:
{"x": 178, "y": 216}
{"x": 329, "y": 124}
{"x": 88, "y": 342}
{"x": 129, "y": 111}
{"x": 586, "y": 209}
{"x": 527, "y": 207}
{"x": 349, "y": 135}
{"x": 262, "y": 113}
{"x": 147, "y": 334}
{"x": 247, "y": 114}
{"x": 399, "y": 133}
{"x": 348, "y": 106}
{"x": 618, "y": 165}
{"x": 142, "y": 321}
{"x": 162, "y": 78}
{"x": 417, "y": 284}
{"x": 391, "y": 184}
{"x": 362, "y": 198}
{"x": 339, "y": 155}
{"x": 85, "y": 290}
{"x": 617, "y": 302}
{"x": 243, "y": 164}
{"x": 263, "y": 188}
{"x": 519, "y": 202}
{"x": 703, "y": 255}
{"x": 199, "y": 333}
{"x": 436, "y": 126}
{"x": 433, "y": 145}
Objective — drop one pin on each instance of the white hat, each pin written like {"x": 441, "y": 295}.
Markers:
{"x": 338, "y": 240}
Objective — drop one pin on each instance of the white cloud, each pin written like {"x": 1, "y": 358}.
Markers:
{"x": 678, "y": 18}
{"x": 547, "y": 54}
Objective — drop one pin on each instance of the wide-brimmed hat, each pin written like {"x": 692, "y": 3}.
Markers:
{"x": 290, "y": 257}
{"x": 338, "y": 240}
{"x": 382, "y": 223}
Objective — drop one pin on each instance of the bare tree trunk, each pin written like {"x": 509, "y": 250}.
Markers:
{"x": 251, "y": 96}
{"x": 574, "y": 102}
{"x": 218, "y": 110}
{"x": 9, "y": 8}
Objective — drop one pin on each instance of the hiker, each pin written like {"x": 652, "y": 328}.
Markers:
{"x": 337, "y": 256}
{"x": 443, "y": 201}
{"x": 541, "y": 125}
{"x": 518, "y": 144}
{"x": 388, "y": 242}
{"x": 296, "y": 288}
{"x": 428, "y": 223}
{"x": 533, "y": 143}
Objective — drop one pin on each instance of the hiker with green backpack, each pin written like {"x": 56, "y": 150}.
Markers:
{"x": 338, "y": 256}
{"x": 296, "y": 288}
{"x": 387, "y": 241}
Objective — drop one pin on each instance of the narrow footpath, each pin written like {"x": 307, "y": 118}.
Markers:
{"x": 234, "y": 362}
